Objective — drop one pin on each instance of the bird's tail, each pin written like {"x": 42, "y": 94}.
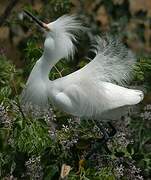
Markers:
{"x": 134, "y": 97}
{"x": 118, "y": 96}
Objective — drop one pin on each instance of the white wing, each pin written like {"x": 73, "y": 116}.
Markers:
{"x": 83, "y": 97}
{"x": 113, "y": 61}
{"x": 79, "y": 96}
{"x": 85, "y": 92}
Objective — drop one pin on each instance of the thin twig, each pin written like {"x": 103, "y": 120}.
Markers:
{"x": 58, "y": 71}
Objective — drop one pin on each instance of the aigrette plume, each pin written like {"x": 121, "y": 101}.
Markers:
{"x": 113, "y": 61}
{"x": 65, "y": 31}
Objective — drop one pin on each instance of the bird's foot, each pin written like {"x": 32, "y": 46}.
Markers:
{"x": 102, "y": 142}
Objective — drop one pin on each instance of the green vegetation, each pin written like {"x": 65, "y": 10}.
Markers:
{"x": 38, "y": 144}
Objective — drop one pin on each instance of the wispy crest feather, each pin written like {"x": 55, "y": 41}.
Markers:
{"x": 113, "y": 61}
{"x": 66, "y": 29}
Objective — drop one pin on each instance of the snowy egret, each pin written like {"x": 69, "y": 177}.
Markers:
{"x": 89, "y": 91}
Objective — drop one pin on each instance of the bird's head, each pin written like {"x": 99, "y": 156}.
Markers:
{"x": 60, "y": 35}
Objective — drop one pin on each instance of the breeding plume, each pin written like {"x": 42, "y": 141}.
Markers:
{"x": 89, "y": 91}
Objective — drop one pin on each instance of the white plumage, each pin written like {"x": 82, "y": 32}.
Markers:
{"x": 89, "y": 91}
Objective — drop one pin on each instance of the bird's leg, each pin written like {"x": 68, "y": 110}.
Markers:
{"x": 113, "y": 131}
{"x": 102, "y": 142}
{"x": 106, "y": 135}
{"x": 104, "y": 132}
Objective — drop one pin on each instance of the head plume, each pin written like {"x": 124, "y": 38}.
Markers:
{"x": 65, "y": 30}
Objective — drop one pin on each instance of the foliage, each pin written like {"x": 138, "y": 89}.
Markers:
{"x": 36, "y": 145}
{"x": 141, "y": 148}
{"x": 142, "y": 71}
{"x": 10, "y": 79}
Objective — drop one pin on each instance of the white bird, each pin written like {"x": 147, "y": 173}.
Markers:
{"x": 90, "y": 91}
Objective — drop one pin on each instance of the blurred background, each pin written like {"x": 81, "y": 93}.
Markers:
{"x": 36, "y": 147}
{"x": 129, "y": 19}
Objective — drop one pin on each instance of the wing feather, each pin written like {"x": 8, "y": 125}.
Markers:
{"x": 113, "y": 61}
{"x": 88, "y": 100}
{"x": 66, "y": 31}
{"x": 91, "y": 92}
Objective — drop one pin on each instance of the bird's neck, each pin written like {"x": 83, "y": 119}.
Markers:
{"x": 43, "y": 67}
{"x": 49, "y": 59}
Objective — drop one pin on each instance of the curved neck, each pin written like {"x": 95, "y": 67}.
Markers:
{"x": 43, "y": 67}
{"x": 46, "y": 63}
{"x": 49, "y": 58}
